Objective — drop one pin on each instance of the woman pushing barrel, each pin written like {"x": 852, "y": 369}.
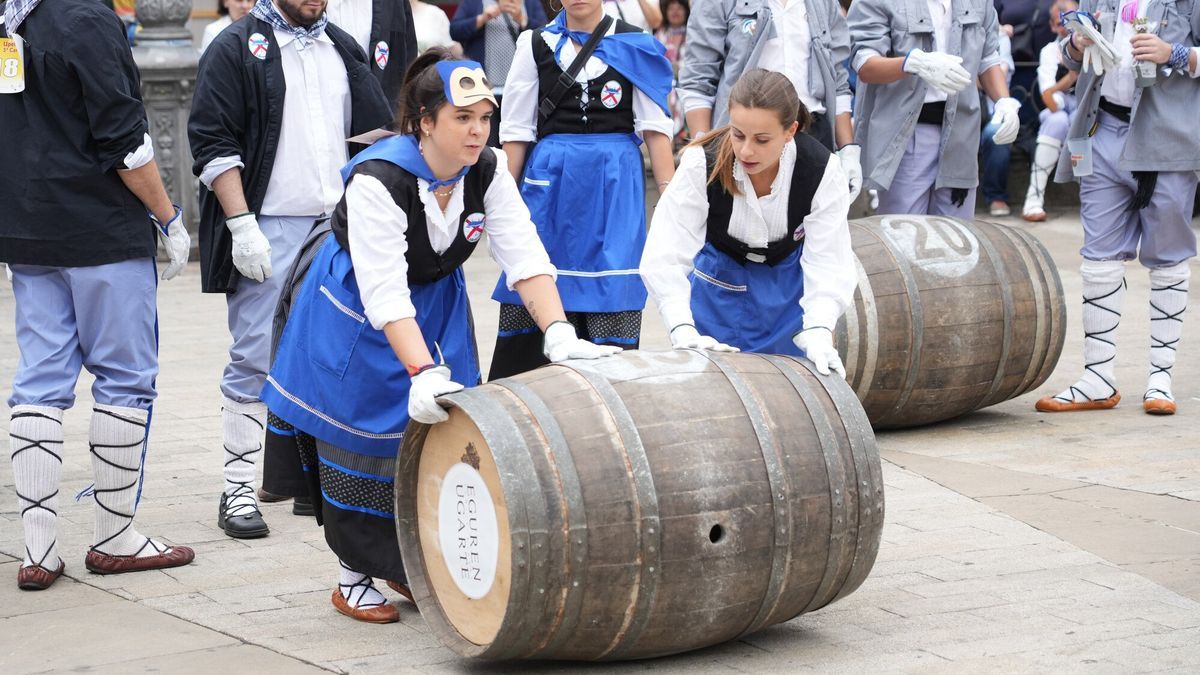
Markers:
{"x": 749, "y": 247}
{"x": 381, "y": 327}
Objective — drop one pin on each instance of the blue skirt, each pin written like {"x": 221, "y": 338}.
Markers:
{"x": 587, "y": 196}
{"x": 753, "y": 306}
{"x": 336, "y": 378}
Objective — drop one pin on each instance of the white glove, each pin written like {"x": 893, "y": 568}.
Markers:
{"x": 940, "y": 70}
{"x": 251, "y": 250}
{"x": 1007, "y": 120}
{"x": 849, "y": 156}
{"x": 1100, "y": 53}
{"x": 426, "y": 386}
{"x": 175, "y": 241}
{"x": 685, "y": 336}
{"x": 561, "y": 344}
{"x": 817, "y": 345}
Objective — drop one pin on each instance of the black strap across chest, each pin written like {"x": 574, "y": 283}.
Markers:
{"x": 609, "y": 107}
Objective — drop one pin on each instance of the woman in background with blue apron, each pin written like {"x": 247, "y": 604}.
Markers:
{"x": 584, "y": 181}
{"x": 381, "y": 323}
{"x": 749, "y": 248}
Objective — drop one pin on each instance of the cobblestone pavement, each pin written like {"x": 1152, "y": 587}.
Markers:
{"x": 1014, "y": 541}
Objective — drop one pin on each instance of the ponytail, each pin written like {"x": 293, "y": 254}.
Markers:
{"x": 423, "y": 92}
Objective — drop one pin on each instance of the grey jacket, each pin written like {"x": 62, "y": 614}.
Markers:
{"x": 1164, "y": 134}
{"x": 726, "y": 37}
{"x": 886, "y": 114}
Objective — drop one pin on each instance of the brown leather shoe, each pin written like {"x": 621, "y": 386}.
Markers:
{"x": 1158, "y": 406}
{"x": 1051, "y": 404}
{"x": 386, "y": 613}
{"x": 103, "y": 563}
{"x": 38, "y": 578}
{"x": 271, "y": 497}
{"x": 402, "y": 589}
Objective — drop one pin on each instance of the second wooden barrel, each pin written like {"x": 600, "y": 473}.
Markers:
{"x": 636, "y": 506}
{"x": 950, "y": 316}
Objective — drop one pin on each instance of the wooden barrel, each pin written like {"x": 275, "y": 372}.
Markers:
{"x": 950, "y": 316}
{"x": 636, "y": 506}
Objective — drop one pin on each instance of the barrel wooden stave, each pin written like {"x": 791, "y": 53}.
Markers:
{"x": 648, "y": 501}
{"x": 950, "y": 316}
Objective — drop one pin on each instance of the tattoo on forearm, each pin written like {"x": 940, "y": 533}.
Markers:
{"x": 532, "y": 312}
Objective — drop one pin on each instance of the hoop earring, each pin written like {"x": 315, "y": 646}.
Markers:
{"x": 556, "y": 9}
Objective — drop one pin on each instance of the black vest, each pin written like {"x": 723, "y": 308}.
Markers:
{"x": 811, "y": 160}
{"x": 573, "y": 117}
{"x": 424, "y": 265}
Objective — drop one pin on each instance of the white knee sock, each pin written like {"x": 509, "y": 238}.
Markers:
{"x": 36, "y": 437}
{"x": 117, "y": 437}
{"x": 1168, "y": 300}
{"x": 358, "y": 589}
{"x": 1045, "y": 158}
{"x": 1103, "y": 294}
{"x": 243, "y": 431}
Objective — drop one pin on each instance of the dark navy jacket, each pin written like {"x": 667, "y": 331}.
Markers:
{"x": 464, "y": 32}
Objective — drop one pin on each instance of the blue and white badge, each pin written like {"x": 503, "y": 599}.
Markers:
{"x": 610, "y": 95}
{"x": 381, "y": 54}
{"x": 749, "y": 26}
{"x": 473, "y": 226}
{"x": 258, "y": 46}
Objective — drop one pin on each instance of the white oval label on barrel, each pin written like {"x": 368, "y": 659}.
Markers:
{"x": 468, "y": 530}
{"x": 936, "y": 245}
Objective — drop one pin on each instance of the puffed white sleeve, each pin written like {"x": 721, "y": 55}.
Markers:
{"x": 518, "y": 108}
{"x": 512, "y": 236}
{"x": 677, "y": 233}
{"x": 830, "y": 273}
{"x": 377, "y": 227}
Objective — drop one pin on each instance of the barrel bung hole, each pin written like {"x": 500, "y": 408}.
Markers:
{"x": 716, "y": 534}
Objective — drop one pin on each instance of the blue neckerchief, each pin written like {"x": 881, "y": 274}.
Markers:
{"x": 15, "y": 12}
{"x": 403, "y": 151}
{"x": 267, "y": 11}
{"x": 638, "y": 56}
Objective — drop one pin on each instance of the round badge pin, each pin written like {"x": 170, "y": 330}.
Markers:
{"x": 473, "y": 227}
{"x": 258, "y": 46}
{"x": 381, "y": 54}
{"x": 610, "y": 94}
{"x": 749, "y": 26}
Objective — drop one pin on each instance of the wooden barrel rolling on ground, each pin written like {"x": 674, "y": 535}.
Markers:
{"x": 636, "y": 506}
{"x": 950, "y": 316}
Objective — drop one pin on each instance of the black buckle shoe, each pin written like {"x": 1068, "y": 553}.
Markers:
{"x": 303, "y": 506}
{"x": 247, "y": 523}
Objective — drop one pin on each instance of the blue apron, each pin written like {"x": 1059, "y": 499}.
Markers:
{"x": 586, "y": 195}
{"x": 754, "y": 307}
{"x": 336, "y": 377}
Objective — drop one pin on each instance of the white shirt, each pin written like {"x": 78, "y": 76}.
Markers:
{"x": 378, "y": 244}
{"x": 212, "y": 30}
{"x": 354, "y": 17}
{"x": 518, "y": 118}
{"x": 305, "y": 179}
{"x": 432, "y": 26}
{"x": 1049, "y": 59}
{"x": 1118, "y": 85}
{"x": 677, "y": 233}
{"x": 788, "y": 52}
{"x": 630, "y": 11}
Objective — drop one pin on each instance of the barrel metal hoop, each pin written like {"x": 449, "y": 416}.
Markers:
{"x": 1054, "y": 308}
{"x": 649, "y": 527}
{"x": 869, "y": 333}
{"x": 917, "y": 316}
{"x": 838, "y": 510}
{"x": 782, "y": 528}
{"x": 574, "y": 517}
{"x": 1041, "y": 344}
{"x": 1009, "y": 310}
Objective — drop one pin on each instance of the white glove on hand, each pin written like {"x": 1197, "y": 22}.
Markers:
{"x": 849, "y": 156}
{"x": 817, "y": 345}
{"x": 175, "y": 241}
{"x": 251, "y": 250}
{"x": 685, "y": 336}
{"x": 940, "y": 70}
{"x": 426, "y": 386}
{"x": 561, "y": 344}
{"x": 1007, "y": 120}
{"x": 1098, "y": 53}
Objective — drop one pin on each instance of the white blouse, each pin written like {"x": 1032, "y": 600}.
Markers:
{"x": 677, "y": 233}
{"x": 518, "y": 119}
{"x": 378, "y": 244}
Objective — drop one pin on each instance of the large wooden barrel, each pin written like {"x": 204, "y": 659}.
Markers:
{"x": 950, "y": 316}
{"x": 636, "y": 506}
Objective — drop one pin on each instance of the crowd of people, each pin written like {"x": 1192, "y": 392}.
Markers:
{"x": 351, "y": 157}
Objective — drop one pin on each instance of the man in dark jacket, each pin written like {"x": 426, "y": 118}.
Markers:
{"x": 277, "y": 95}
{"x": 82, "y": 203}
